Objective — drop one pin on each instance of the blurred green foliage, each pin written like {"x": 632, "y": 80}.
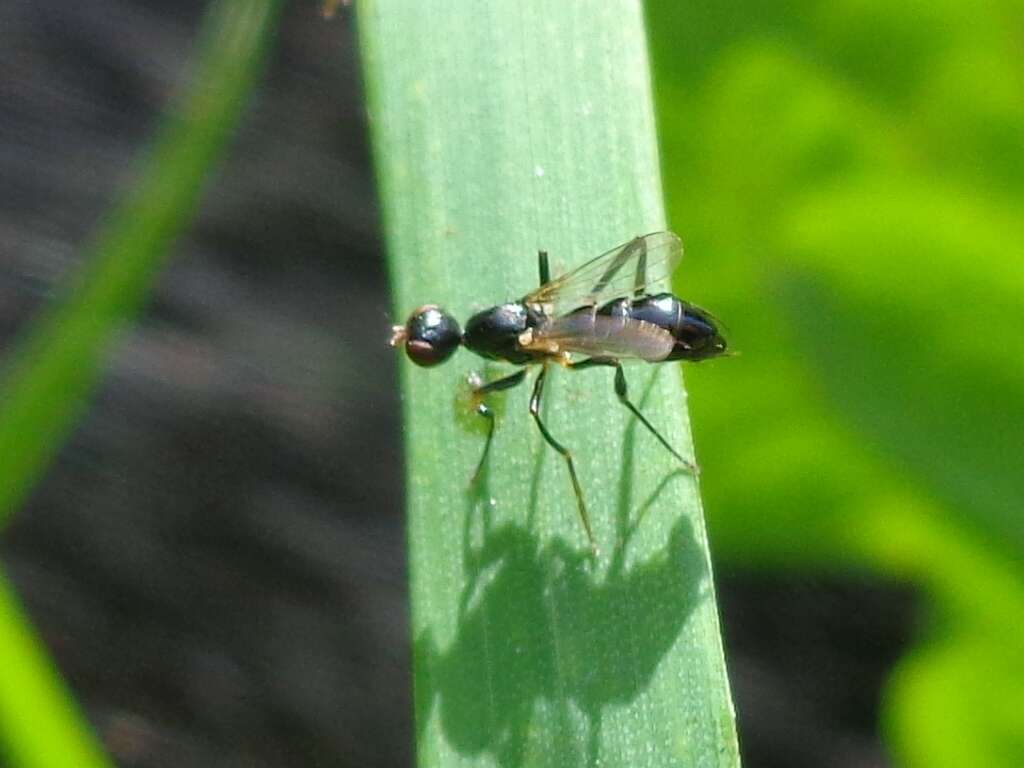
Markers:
{"x": 50, "y": 375}
{"x": 52, "y": 371}
{"x": 849, "y": 180}
{"x": 40, "y": 724}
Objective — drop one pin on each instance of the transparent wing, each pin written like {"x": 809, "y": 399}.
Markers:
{"x": 622, "y": 271}
{"x": 588, "y": 333}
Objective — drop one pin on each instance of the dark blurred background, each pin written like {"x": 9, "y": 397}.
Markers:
{"x": 216, "y": 559}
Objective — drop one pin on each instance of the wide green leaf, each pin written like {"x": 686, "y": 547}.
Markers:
{"x": 499, "y": 130}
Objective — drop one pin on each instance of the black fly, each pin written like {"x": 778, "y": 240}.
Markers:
{"x": 599, "y": 311}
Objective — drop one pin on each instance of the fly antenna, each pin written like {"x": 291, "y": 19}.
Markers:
{"x": 398, "y": 335}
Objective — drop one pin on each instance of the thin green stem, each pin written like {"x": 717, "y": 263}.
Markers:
{"x": 60, "y": 358}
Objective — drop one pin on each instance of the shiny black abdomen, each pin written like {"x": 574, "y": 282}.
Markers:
{"x": 494, "y": 333}
{"x": 694, "y": 331}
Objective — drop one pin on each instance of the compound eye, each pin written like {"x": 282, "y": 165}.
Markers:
{"x": 431, "y": 336}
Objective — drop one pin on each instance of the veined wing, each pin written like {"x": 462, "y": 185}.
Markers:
{"x": 587, "y": 333}
{"x": 622, "y": 271}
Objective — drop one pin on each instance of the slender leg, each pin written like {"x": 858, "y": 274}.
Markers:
{"x": 538, "y": 389}
{"x": 640, "y": 280}
{"x": 543, "y": 268}
{"x": 481, "y": 408}
{"x": 621, "y": 391}
{"x": 623, "y": 256}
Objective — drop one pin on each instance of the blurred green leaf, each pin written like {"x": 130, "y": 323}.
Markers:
{"x": 958, "y": 699}
{"x": 848, "y": 178}
{"x": 886, "y": 48}
{"x": 40, "y": 726}
{"x": 57, "y": 364}
{"x": 976, "y": 591}
{"x": 917, "y": 358}
{"x": 968, "y": 118}
{"x": 787, "y": 214}
{"x": 959, "y": 702}
{"x": 51, "y": 373}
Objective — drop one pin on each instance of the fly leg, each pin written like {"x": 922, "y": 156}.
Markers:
{"x": 481, "y": 408}
{"x": 624, "y": 255}
{"x": 640, "y": 280}
{"x": 621, "y": 391}
{"x": 543, "y": 268}
{"x": 621, "y": 258}
{"x": 538, "y": 389}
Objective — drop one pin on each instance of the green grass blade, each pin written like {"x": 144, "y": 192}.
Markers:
{"x": 40, "y": 726}
{"x": 59, "y": 361}
{"x": 500, "y": 129}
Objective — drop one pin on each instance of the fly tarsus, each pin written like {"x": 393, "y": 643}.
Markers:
{"x": 479, "y": 392}
{"x": 538, "y": 389}
{"x": 621, "y": 390}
